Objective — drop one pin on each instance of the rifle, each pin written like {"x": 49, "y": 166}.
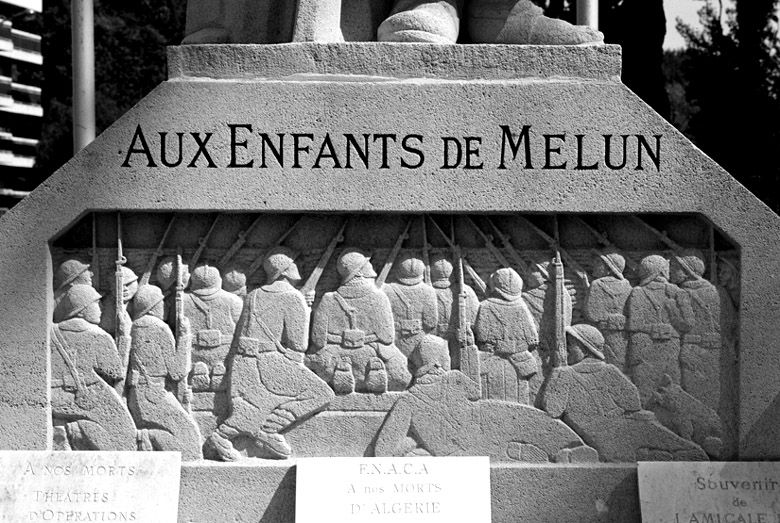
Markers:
{"x": 489, "y": 244}
{"x": 555, "y": 246}
{"x": 479, "y": 282}
{"x": 316, "y": 274}
{"x": 602, "y": 239}
{"x": 675, "y": 247}
{"x": 123, "y": 349}
{"x": 240, "y": 241}
{"x": 95, "y": 258}
{"x": 393, "y": 255}
{"x": 559, "y": 313}
{"x": 181, "y": 336}
{"x": 156, "y": 254}
{"x": 469, "y": 354}
{"x": 258, "y": 262}
{"x": 519, "y": 261}
{"x": 426, "y": 258}
{"x": 202, "y": 241}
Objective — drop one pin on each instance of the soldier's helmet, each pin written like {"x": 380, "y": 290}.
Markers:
{"x": 147, "y": 297}
{"x": 507, "y": 284}
{"x": 76, "y": 299}
{"x": 234, "y": 280}
{"x": 441, "y": 269}
{"x": 166, "y": 272}
{"x": 411, "y": 270}
{"x": 353, "y": 263}
{"x": 614, "y": 262}
{"x": 281, "y": 262}
{"x": 651, "y": 267}
{"x": 205, "y": 280}
{"x": 589, "y": 337}
{"x": 69, "y": 271}
{"x": 691, "y": 261}
{"x": 128, "y": 276}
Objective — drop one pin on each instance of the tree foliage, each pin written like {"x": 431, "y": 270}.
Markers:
{"x": 130, "y": 40}
{"x": 725, "y": 90}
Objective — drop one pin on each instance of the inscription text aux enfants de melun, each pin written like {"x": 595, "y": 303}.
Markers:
{"x": 242, "y": 146}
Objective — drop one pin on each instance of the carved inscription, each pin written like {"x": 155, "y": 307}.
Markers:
{"x": 525, "y": 338}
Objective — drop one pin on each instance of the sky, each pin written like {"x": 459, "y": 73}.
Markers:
{"x": 685, "y": 9}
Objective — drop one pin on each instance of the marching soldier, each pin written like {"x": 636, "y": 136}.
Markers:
{"x": 68, "y": 274}
{"x": 446, "y": 306}
{"x": 119, "y": 325}
{"x": 270, "y": 388}
{"x": 701, "y": 350}
{"x": 605, "y": 305}
{"x": 352, "y": 333}
{"x": 505, "y": 334}
{"x": 82, "y": 357}
{"x": 414, "y": 307}
{"x": 234, "y": 281}
{"x": 213, "y": 314}
{"x": 166, "y": 280}
{"x": 154, "y": 360}
{"x": 658, "y": 312}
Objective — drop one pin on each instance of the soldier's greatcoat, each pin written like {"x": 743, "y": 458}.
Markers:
{"x": 447, "y": 310}
{"x": 604, "y": 307}
{"x": 414, "y": 315}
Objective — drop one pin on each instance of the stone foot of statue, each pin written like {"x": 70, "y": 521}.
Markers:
{"x": 523, "y": 22}
{"x": 143, "y": 440}
{"x": 207, "y": 35}
{"x": 376, "y": 378}
{"x": 273, "y": 444}
{"x": 435, "y": 22}
{"x": 219, "y": 447}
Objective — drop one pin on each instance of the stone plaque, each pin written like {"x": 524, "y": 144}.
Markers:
{"x": 420, "y": 489}
{"x": 89, "y": 486}
{"x": 709, "y": 492}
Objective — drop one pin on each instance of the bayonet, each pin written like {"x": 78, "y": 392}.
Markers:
{"x": 426, "y": 258}
{"x": 316, "y": 274}
{"x": 95, "y": 258}
{"x": 240, "y": 241}
{"x": 393, "y": 255}
{"x": 258, "y": 262}
{"x": 489, "y": 244}
{"x": 157, "y": 253}
{"x": 516, "y": 257}
{"x": 604, "y": 241}
{"x": 468, "y": 352}
{"x": 202, "y": 242}
{"x": 556, "y": 247}
{"x": 675, "y": 247}
{"x": 559, "y": 313}
{"x": 183, "y": 341}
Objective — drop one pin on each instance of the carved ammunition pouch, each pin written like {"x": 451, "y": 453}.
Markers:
{"x": 525, "y": 364}
{"x": 615, "y": 322}
{"x": 210, "y": 339}
{"x": 507, "y": 347}
{"x": 410, "y": 327}
{"x": 661, "y": 331}
{"x": 252, "y": 347}
{"x": 705, "y": 341}
{"x": 353, "y": 338}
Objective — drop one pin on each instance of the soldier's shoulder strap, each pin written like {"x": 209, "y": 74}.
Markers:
{"x": 64, "y": 350}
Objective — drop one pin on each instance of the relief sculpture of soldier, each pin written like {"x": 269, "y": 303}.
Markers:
{"x": 353, "y": 332}
{"x": 83, "y": 359}
{"x": 166, "y": 280}
{"x": 599, "y": 402}
{"x": 447, "y": 306}
{"x": 658, "y": 312}
{"x": 505, "y": 334}
{"x": 69, "y": 273}
{"x": 154, "y": 362}
{"x": 270, "y": 388}
{"x": 213, "y": 314}
{"x": 605, "y": 305}
{"x": 413, "y": 304}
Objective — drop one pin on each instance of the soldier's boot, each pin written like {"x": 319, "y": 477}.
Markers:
{"x": 436, "y": 22}
{"x": 523, "y": 22}
{"x": 60, "y": 438}
{"x": 376, "y": 377}
{"x": 273, "y": 444}
{"x": 143, "y": 441}
{"x": 200, "y": 379}
{"x": 343, "y": 379}
{"x": 219, "y": 447}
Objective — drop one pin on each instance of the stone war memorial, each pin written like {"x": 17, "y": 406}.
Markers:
{"x": 348, "y": 228}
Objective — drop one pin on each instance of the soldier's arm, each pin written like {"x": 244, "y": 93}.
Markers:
{"x": 624, "y": 392}
{"x": 385, "y": 331}
{"x": 555, "y": 398}
{"x": 319, "y": 324}
{"x": 107, "y": 362}
{"x": 175, "y": 363}
{"x": 430, "y": 313}
{"x": 392, "y": 437}
{"x": 472, "y": 305}
{"x": 681, "y": 313}
{"x": 296, "y": 323}
{"x": 481, "y": 325}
